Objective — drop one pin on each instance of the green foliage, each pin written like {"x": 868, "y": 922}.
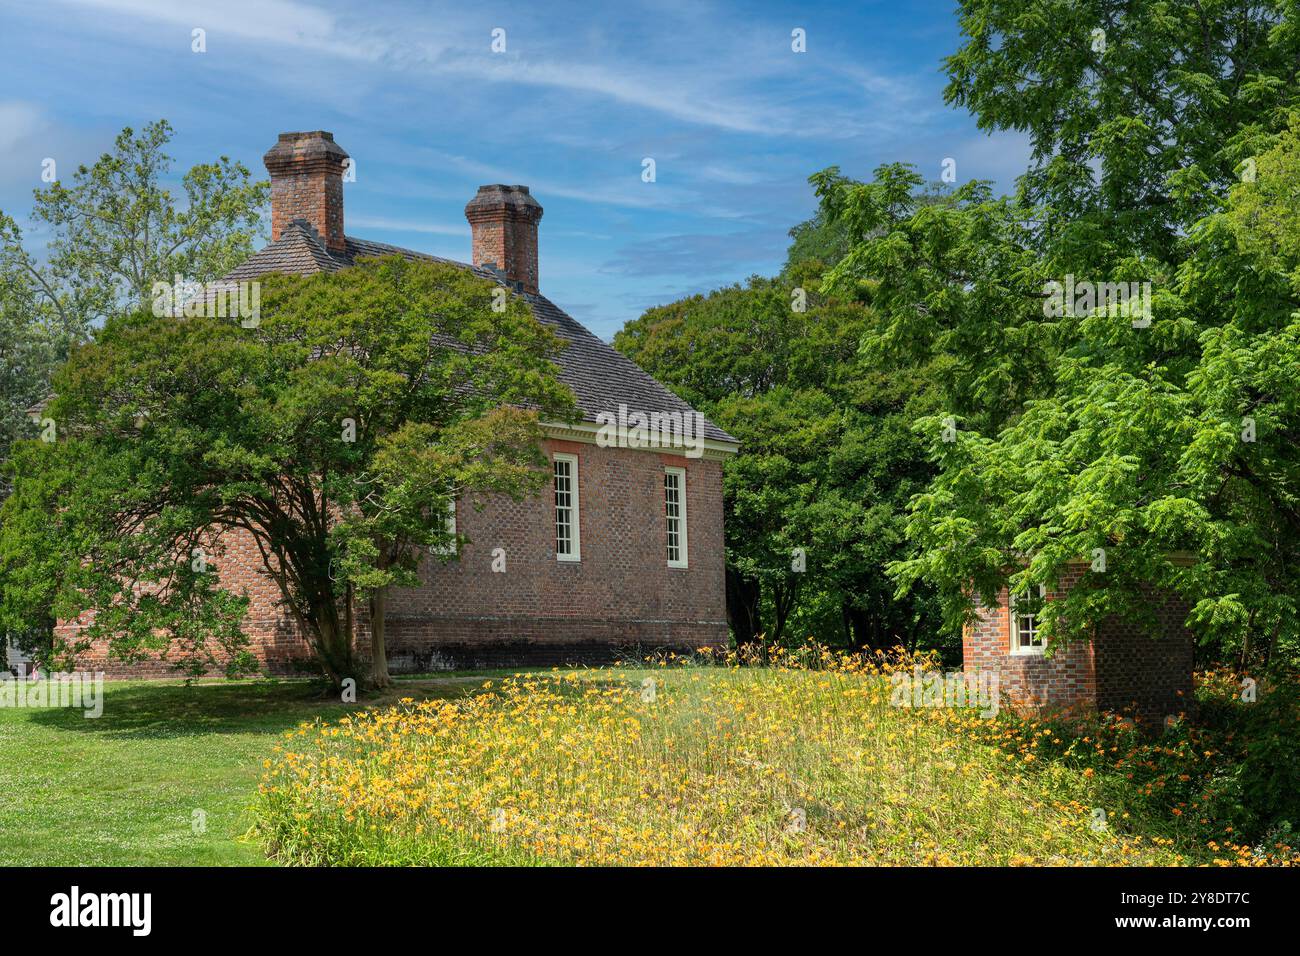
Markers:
{"x": 1160, "y": 453}
{"x": 1168, "y": 449}
{"x": 333, "y": 434}
{"x": 1226, "y": 780}
{"x": 115, "y": 231}
{"x": 820, "y": 241}
{"x": 1269, "y": 775}
{"x": 827, "y": 458}
{"x": 938, "y": 267}
{"x": 29, "y": 348}
{"x": 1138, "y": 130}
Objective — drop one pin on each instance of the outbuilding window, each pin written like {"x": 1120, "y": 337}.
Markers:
{"x": 1024, "y": 610}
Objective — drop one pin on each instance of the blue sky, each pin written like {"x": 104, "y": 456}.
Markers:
{"x": 734, "y": 119}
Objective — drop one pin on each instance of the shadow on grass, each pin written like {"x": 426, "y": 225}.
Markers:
{"x": 164, "y": 710}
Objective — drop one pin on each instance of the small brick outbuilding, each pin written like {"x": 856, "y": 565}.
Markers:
{"x": 1123, "y": 667}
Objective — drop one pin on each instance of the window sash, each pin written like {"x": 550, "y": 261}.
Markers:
{"x": 1025, "y": 638}
{"x": 449, "y": 524}
{"x": 675, "y": 517}
{"x": 568, "y": 542}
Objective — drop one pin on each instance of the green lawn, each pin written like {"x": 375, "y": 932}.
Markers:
{"x": 123, "y": 789}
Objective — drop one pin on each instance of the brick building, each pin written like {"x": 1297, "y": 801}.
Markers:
{"x": 623, "y": 554}
{"x": 1123, "y": 667}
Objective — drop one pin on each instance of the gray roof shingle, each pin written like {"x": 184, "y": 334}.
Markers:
{"x": 600, "y": 376}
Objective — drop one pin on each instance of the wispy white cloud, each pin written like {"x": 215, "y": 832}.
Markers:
{"x": 730, "y": 174}
{"x": 735, "y": 120}
{"x": 693, "y": 93}
{"x": 19, "y": 121}
{"x": 631, "y": 192}
{"x": 406, "y": 225}
{"x": 281, "y": 22}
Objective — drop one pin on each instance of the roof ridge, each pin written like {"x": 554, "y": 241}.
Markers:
{"x": 585, "y": 364}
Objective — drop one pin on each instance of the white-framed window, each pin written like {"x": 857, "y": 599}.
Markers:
{"x": 449, "y": 524}
{"x": 568, "y": 538}
{"x": 1024, "y": 609}
{"x": 675, "y": 516}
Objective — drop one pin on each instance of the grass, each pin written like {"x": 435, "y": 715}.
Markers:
{"x": 123, "y": 789}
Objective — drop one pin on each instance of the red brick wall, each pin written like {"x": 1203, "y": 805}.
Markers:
{"x": 621, "y": 598}
{"x": 1147, "y": 669}
{"x": 276, "y": 641}
{"x": 1064, "y": 681}
{"x": 1124, "y": 666}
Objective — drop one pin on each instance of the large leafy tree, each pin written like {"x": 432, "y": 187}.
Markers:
{"x": 1089, "y": 435}
{"x": 117, "y": 226}
{"x": 939, "y": 269}
{"x": 815, "y": 501}
{"x": 334, "y": 434}
{"x": 1140, "y": 112}
{"x": 1168, "y": 452}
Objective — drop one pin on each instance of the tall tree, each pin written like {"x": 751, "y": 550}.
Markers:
{"x": 116, "y": 229}
{"x": 939, "y": 270}
{"x": 334, "y": 433}
{"x": 815, "y": 501}
{"x": 1060, "y": 429}
{"x": 1140, "y": 112}
{"x": 1165, "y": 456}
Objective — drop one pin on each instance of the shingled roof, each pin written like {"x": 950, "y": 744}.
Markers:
{"x": 601, "y": 377}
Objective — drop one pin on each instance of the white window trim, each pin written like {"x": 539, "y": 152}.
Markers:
{"x": 449, "y": 525}
{"x": 1032, "y": 649}
{"x": 575, "y": 508}
{"x": 683, "y": 546}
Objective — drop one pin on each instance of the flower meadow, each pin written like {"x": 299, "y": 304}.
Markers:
{"x": 715, "y": 762}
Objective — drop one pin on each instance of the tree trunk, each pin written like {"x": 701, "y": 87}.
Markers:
{"x": 867, "y": 635}
{"x": 1243, "y": 655}
{"x": 743, "y": 608}
{"x": 379, "y": 676}
{"x": 784, "y": 599}
{"x": 333, "y": 645}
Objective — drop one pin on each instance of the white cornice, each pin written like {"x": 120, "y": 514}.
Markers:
{"x": 586, "y": 432}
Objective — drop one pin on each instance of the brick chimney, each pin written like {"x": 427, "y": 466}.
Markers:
{"x": 307, "y": 183}
{"x": 503, "y": 220}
